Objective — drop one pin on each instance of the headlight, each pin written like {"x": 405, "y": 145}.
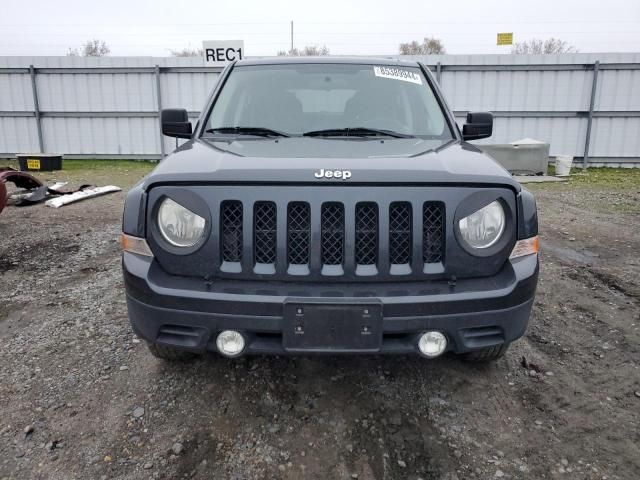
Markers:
{"x": 483, "y": 228}
{"x": 178, "y": 225}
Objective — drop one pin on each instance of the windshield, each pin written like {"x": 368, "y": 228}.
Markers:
{"x": 328, "y": 100}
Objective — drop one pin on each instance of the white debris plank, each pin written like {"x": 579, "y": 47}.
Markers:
{"x": 82, "y": 195}
{"x": 539, "y": 179}
{"x": 57, "y": 186}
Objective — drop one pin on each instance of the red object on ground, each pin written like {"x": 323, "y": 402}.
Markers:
{"x": 3, "y": 196}
{"x": 20, "y": 179}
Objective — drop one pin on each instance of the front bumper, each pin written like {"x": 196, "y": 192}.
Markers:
{"x": 188, "y": 313}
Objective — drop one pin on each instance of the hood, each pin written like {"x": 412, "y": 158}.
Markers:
{"x": 370, "y": 162}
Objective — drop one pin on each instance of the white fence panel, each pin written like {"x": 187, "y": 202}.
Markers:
{"x": 618, "y": 90}
{"x": 18, "y": 134}
{"x": 517, "y": 91}
{"x": 186, "y": 90}
{"x": 96, "y": 92}
{"x": 15, "y": 92}
{"x": 616, "y": 138}
{"x": 104, "y": 136}
{"x": 108, "y": 106}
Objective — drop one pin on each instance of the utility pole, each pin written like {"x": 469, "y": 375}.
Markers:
{"x": 291, "y": 36}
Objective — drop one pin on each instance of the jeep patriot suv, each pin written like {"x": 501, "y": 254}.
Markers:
{"x": 328, "y": 205}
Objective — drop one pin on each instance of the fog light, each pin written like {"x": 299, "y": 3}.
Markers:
{"x": 432, "y": 344}
{"x": 230, "y": 343}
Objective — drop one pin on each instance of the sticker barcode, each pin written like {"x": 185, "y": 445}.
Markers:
{"x": 397, "y": 74}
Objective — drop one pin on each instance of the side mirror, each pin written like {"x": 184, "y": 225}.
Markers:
{"x": 479, "y": 125}
{"x": 175, "y": 123}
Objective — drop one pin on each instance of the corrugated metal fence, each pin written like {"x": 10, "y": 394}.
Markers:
{"x": 108, "y": 107}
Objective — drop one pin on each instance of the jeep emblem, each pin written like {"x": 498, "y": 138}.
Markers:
{"x": 343, "y": 174}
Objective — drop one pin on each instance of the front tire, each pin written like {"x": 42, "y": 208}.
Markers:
{"x": 489, "y": 354}
{"x": 170, "y": 354}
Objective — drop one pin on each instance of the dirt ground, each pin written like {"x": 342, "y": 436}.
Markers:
{"x": 81, "y": 397}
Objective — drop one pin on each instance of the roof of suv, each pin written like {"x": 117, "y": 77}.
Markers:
{"x": 327, "y": 59}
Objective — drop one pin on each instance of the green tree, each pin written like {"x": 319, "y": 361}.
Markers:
{"x": 91, "y": 48}
{"x": 536, "y": 45}
{"x": 187, "y": 52}
{"x": 308, "y": 51}
{"x": 429, "y": 46}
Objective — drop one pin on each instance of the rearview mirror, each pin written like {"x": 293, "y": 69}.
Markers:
{"x": 479, "y": 125}
{"x": 175, "y": 123}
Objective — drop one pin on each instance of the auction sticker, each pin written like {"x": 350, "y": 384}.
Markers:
{"x": 397, "y": 74}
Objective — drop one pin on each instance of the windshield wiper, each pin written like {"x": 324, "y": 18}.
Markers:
{"x": 258, "y": 131}
{"x": 355, "y": 132}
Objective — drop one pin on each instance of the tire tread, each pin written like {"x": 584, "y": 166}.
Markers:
{"x": 488, "y": 354}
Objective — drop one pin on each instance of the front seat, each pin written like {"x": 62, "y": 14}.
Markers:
{"x": 364, "y": 107}
{"x": 278, "y": 112}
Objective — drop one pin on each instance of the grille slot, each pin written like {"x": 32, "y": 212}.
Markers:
{"x": 366, "y": 233}
{"x": 264, "y": 232}
{"x": 231, "y": 229}
{"x": 279, "y": 239}
{"x": 298, "y": 233}
{"x": 400, "y": 233}
{"x": 332, "y": 230}
{"x": 433, "y": 233}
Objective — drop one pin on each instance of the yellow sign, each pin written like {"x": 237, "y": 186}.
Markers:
{"x": 33, "y": 164}
{"x": 505, "y": 38}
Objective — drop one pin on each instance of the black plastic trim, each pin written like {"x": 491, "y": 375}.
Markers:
{"x": 513, "y": 285}
{"x": 192, "y": 202}
{"x": 135, "y": 210}
{"x": 527, "y": 215}
{"x": 205, "y": 262}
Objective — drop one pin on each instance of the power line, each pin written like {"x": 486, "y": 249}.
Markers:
{"x": 424, "y": 23}
{"x": 283, "y": 43}
{"x": 302, "y": 32}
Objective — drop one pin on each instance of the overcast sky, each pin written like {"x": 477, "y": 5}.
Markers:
{"x": 138, "y": 27}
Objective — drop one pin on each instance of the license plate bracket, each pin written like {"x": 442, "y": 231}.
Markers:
{"x": 332, "y": 327}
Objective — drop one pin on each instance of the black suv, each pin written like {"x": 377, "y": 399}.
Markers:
{"x": 329, "y": 205}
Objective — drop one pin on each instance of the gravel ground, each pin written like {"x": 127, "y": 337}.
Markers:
{"x": 81, "y": 397}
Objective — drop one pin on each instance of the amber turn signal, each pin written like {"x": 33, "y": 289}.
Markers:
{"x": 528, "y": 246}
{"x": 133, "y": 244}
